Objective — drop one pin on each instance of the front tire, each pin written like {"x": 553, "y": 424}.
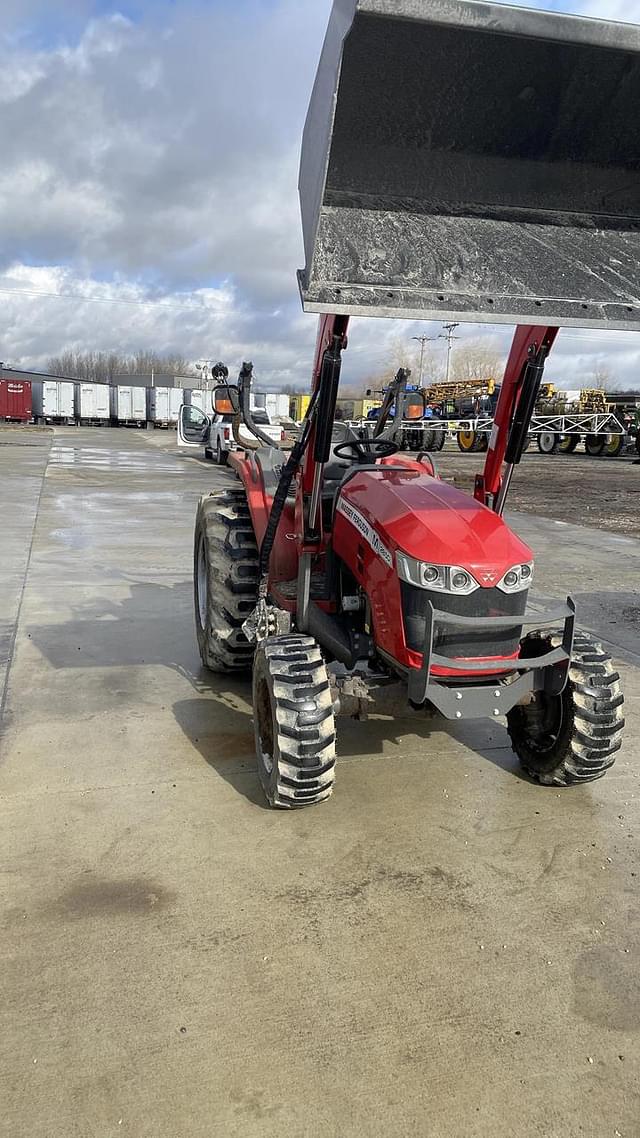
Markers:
{"x": 225, "y": 579}
{"x": 294, "y": 722}
{"x": 572, "y": 737}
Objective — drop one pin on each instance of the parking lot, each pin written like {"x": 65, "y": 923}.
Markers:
{"x": 443, "y": 949}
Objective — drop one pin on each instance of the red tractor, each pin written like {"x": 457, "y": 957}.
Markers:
{"x": 350, "y": 579}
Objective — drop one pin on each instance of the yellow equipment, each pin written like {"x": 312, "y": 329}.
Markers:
{"x": 298, "y": 405}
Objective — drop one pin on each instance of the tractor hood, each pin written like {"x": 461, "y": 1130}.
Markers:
{"x": 429, "y": 520}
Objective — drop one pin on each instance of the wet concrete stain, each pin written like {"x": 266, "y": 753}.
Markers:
{"x": 253, "y": 1104}
{"x": 94, "y": 897}
{"x": 607, "y": 988}
{"x": 434, "y": 883}
{"x": 225, "y": 746}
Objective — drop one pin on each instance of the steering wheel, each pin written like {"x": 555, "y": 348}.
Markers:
{"x": 365, "y": 450}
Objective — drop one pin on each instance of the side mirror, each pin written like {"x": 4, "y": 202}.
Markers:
{"x": 415, "y": 406}
{"x": 225, "y": 400}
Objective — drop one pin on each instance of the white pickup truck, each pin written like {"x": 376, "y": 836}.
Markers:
{"x": 214, "y": 432}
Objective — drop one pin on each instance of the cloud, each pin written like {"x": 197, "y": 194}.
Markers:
{"x": 150, "y": 155}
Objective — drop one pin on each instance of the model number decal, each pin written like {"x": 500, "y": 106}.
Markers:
{"x": 369, "y": 534}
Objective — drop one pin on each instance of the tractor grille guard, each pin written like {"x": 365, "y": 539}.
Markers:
{"x": 455, "y": 698}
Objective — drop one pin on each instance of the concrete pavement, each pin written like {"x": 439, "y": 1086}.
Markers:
{"x": 442, "y": 950}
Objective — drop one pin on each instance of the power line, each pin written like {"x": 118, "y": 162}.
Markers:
{"x": 449, "y": 337}
{"x": 116, "y": 300}
{"x": 422, "y": 340}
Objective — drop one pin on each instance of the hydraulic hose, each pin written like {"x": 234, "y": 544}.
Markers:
{"x": 280, "y": 497}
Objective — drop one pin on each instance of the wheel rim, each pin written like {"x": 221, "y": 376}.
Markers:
{"x": 201, "y": 583}
{"x": 264, "y": 721}
{"x": 544, "y": 720}
{"x": 547, "y": 442}
{"x": 467, "y": 439}
{"x": 613, "y": 446}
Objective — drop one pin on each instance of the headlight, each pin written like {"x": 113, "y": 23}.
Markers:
{"x": 442, "y": 578}
{"x": 517, "y": 579}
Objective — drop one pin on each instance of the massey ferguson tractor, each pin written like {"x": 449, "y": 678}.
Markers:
{"x": 461, "y": 161}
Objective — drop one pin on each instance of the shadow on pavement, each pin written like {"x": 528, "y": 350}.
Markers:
{"x": 153, "y": 626}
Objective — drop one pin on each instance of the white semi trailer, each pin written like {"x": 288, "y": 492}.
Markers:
{"x": 129, "y": 406}
{"x": 92, "y": 403}
{"x": 53, "y": 401}
{"x": 164, "y": 405}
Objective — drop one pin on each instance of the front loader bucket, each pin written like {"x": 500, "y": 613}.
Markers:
{"x": 475, "y": 162}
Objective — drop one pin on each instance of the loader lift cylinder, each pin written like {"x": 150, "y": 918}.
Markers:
{"x": 530, "y": 343}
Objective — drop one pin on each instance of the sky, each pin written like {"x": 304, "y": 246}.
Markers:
{"x": 148, "y": 189}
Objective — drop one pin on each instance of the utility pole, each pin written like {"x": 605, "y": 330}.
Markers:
{"x": 422, "y": 340}
{"x": 204, "y": 367}
{"x": 449, "y": 337}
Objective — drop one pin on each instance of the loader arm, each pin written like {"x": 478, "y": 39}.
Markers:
{"x": 331, "y": 342}
{"x": 529, "y": 350}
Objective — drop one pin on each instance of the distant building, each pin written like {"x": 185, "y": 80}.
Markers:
{"x": 157, "y": 379}
{"x": 29, "y": 376}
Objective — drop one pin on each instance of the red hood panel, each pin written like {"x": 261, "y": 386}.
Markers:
{"x": 435, "y": 522}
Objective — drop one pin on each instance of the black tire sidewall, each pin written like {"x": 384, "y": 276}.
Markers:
{"x": 263, "y": 688}
{"x": 596, "y": 450}
{"x": 202, "y": 634}
{"x": 532, "y": 760}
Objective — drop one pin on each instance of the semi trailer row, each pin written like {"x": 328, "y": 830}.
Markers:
{"x": 101, "y": 404}
{"x": 97, "y": 404}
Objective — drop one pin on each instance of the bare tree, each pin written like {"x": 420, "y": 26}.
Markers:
{"x": 406, "y": 352}
{"x": 101, "y": 367}
{"x": 476, "y": 359}
{"x": 601, "y": 379}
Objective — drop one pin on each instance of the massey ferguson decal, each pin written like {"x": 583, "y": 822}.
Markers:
{"x": 366, "y": 530}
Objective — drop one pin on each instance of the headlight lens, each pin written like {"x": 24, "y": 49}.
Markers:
{"x": 442, "y": 578}
{"x": 517, "y": 579}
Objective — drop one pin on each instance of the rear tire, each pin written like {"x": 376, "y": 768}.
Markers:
{"x": 294, "y": 722}
{"x": 225, "y": 580}
{"x": 614, "y": 446}
{"x": 594, "y": 445}
{"x": 568, "y": 443}
{"x": 439, "y": 439}
{"x": 572, "y": 737}
{"x": 548, "y": 442}
{"x": 470, "y": 442}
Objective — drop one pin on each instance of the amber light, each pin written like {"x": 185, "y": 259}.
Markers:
{"x": 224, "y": 407}
{"x": 415, "y": 411}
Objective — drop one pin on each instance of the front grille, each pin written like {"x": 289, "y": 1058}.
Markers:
{"x": 455, "y": 640}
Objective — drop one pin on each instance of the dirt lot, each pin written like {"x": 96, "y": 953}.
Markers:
{"x": 600, "y": 492}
